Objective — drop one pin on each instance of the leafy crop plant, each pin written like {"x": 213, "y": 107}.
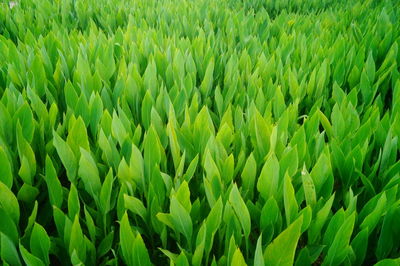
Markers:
{"x": 200, "y": 132}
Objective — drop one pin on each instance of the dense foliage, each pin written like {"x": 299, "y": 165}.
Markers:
{"x": 199, "y": 132}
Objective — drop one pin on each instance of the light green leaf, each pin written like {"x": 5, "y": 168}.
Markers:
{"x": 126, "y": 239}
{"x": 308, "y": 187}
{"x": 40, "y": 243}
{"x": 258, "y": 257}
{"x": 8, "y": 251}
{"x": 28, "y": 258}
{"x": 181, "y": 219}
{"x": 105, "y": 192}
{"x": 373, "y": 218}
{"x": 5, "y": 169}
{"x": 317, "y": 224}
{"x": 74, "y": 205}
{"x": 77, "y": 137}
{"x": 339, "y": 249}
{"x": 53, "y": 184}
{"x": 182, "y": 260}
{"x": 118, "y": 130}
{"x": 238, "y": 259}
{"x": 282, "y": 249}
{"x": 89, "y": 173}
{"x": 9, "y": 203}
{"x": 289, "y": 199}
{"x": 207, "y": 82}
{"x": 183, "y": 196}
{"x": 135, "y": 206}
{"x": 139, "y": 252}
{"x": 268, "y": 181}
{"x": 388, "y": 262}
{"x": 249, "y": 175}
{"x": 77, "y": 241}
{"x": 240, "y": 209}
{"x": 66, "y": 155}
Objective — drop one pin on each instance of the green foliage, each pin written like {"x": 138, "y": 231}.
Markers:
{"x": 260, "y": 132}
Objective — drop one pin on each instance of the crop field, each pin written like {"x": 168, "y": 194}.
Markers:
{"x": 200, "y": 132}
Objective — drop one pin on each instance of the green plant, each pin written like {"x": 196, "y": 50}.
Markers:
{"x": 199, "y": 132}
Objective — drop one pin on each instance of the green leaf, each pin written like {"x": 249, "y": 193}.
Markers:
{"x": 74, "y": 205}
{"x": 268, "y": 181}
{"x": 370, "y": 67}
{"x": 200, "y": 245}
{"x": 31, "y": 219}
{"x": 66, "y": 155}
{"x": 152, "y": 152}
{"x": 326, "y": 124}
{"x": 334, "y": 224}
{"x": 6, "y": 176}
{"x": 214, "y": 217}
{"x": 27, "y": 157}
{"x": 388, "y": 262}
{"x": 249, "y": 175}
{"x": 105, "y": 244}
{"x": 307, "y": 217}
{"x": 27, "y": 193}
{"x": 126, "y": 239}
{"x": 40, "y": 243}
{"x": 118, "y": 130}
{"x": 171, "y": 256}
{"x": 137, "y": 166}
{"x": 240, "y": 209}
{"x": 96, "y": 111}
{"x": 90, "y": 224}
{"x": 8, "y": 227}
{"x": 106, "y": 64}
{"x": 53, "y": 184}
{"x": 8, "y": 252}
{"x": 181, "y": 219}
{"x": 289, "y": 162}
{"x": 359, "y": 245}
{"x": 320, "y": 172}
{"x": 39, "y": 75}
{"x": 147, "y": 104}
{"x": 150, "y": 77}
{"x": 282, "y": 249}
{"x": 191, "y": 169}
{"x": 89, "y": 173}
{"x": 387, "y": 238}
{"x": 173, "y": 142}
{"x": 207, "y": 82}
{"x": 166, "y": 218}
{"x": 291, "y": 206}
{"x": 183, "y": 196}
{"x": 28, "y": 258}
{"x": 105, "y": 192}
{"x": 339, "y": 249}
{"x": 77, "y": 241}
{"x": 135, "y": 206}
{"x": 182, "y": 260}
{"x": 211, "y": 227}
{"x": 308, "y": 187}
{"x": 77, "y": 137}
{"x": 25, "y": 172}
{"x": 270, "y": 214}
{"x": 258, "y": 257}
{"x": 24, "y": 117}
{"x": 373, "y": 218}
{"x": 9, "y": 203}
{"x": 139, "y": 252}
{"x": 319, "y": 221}
{"x": 238, "y": 259}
